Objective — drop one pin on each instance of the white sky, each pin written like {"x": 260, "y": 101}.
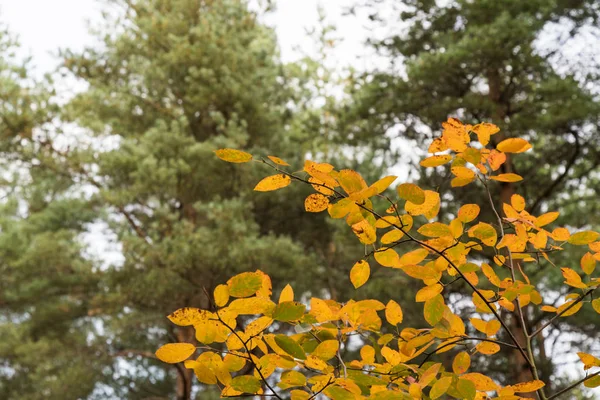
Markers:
{"x": 43, "y": 26}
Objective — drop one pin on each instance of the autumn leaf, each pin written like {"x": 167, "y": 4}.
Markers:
{"x": 287, "y": 294}
{"x": 434, "y": 309}
{"x": 393, "y": 313}
{"x": 278, "y": 161}
{"x": 468, "y": 212}
{"x": 510, "y": 177}
{"x": 233, "y": 155}
{"x": 359, "y": 274}
{"x": 245, "y": 284}
{"x": 513, "y": 145}
{"x": 461, "y": 363}
{"x": 526, "y": 387}
{"x": 435, "y": 161}
{"x": 246, "y": 384}
{"x": 411, "y": 192}
{"x": 273, "y": 182}
{"x": 583, "y": 238}
{"x": 173, "y": 353}
{"x": 221, "y": 295}
{"x": 316, "y": 202}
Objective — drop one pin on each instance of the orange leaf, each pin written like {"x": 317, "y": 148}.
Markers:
{"x": 513, "y": 145}
{"x": 507, "y": 178}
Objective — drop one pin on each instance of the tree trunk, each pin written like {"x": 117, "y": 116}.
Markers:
{"x": 519, "y": 369}
{"x": 183, "y": 387}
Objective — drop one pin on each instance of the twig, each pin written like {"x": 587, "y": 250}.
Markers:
{"x": 555, "y": 395}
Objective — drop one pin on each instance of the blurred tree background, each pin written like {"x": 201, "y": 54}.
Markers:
{"x": 171, "y": 81}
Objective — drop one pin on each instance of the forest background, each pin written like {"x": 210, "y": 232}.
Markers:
{"x": 115, "y": 211}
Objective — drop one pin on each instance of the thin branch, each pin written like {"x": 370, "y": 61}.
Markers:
{"x": 572, "y": 386}
{"x": 541, "y": 328}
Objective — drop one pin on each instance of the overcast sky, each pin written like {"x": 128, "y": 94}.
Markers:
{"x": 43, "y": 26}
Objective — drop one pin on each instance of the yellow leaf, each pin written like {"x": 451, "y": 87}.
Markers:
{"x": 588, "y": 263}
{"x": 387, "y": 257}
{"x": 484, "y": 232}
{"x": 326, "y": 350}
{"x": 411, "y": 192}
{"x": 435, "y": 229}
{"x": 315, "y": 363}
{"x": 245, "y": 284}
{"x": 572, "y": 309}
{"x": 299, "y": 395}
{"x": 461, "y": 363}
{"x": 221, "y": 295}
{"x": 513, "y": 145}
{"x": 561, "y": 234}
{"x": 233, "y": 363}
{"x": 455, "y": 135}
{"x": 316, "y": 202}
{"x": 428, "y": 292}
{"x": 596, "y": 305}
{"x": 359, "y": 274}
{"x": 291, "y": 379}
{"x": 392, "y": 236}
{"x": 367, "y": 354}
{"x": 460, "y": 182}
{"x": 435, "y": 161}
{"x": 589, "y": 361}
{"x": 414, "y": 257}
{"x": 482, "y": 382}
{"x": 342, "y": 208}
{"x": 321, "y": 186}
{"x": 479, "y": 324}
{"x": 472, "y": 155}
{"x": 393, "y": 313}
{"x": 518, "y": 202}
{"x": 278, "y": 161}
{"x": 175, "y": 352}
{"x": 364, "y": 231}
{"x": 387, "y": 222}
{"x": 273, "y": 182}
{"x": 582, "y": 238}
{"x": 233, "y": 155}
{"x": 258, "y": 325}
{"x": 488, "y": 348}
{"x": 463, "y": 172}
{"x": 351, "y": 181}
{"x": 429, "y": 208}
{"x": 437, "y": 145}
{"x": 526, "y": 387}
{"x": 468, "y": 212}
{"x": 495, "y": 159}
{"x": 484, "y": 130}
{"x": 440, "y": 387}
{"x": 287, "y": 294}
{"x": 381, "y": 185}
{"x": 507, "y": 178}
{"x": 434, "y": 309}
{"x": 188, "y": 316}
{"x": 246, "y": 384}
{"x": 545, "y": 219}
